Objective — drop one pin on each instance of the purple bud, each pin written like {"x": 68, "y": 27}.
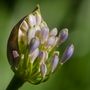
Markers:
{"x": 34, "y": 44}
{"x": 55, "y": 61}
{"x": 63, "y": 35}
{"x": 43, "y": 69}
{"x": 67, "y": 54}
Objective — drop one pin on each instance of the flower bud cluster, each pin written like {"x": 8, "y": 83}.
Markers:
{"x": 32, "y": 47}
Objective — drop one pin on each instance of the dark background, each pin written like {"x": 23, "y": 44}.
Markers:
{"x": 73, "y": 14}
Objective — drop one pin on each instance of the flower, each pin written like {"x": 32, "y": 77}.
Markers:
{"x": 31, "y": 48}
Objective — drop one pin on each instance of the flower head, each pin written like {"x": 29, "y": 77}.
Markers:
{"x": 32, "y": 47}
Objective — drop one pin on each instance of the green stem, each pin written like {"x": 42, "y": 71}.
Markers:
{"x": 15, "y": 83}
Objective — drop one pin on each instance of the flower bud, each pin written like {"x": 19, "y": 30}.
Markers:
{"x": 31, "y": 48}
{"x": 34, "y": 44}
{"x": 63, "y": 35}
{"x": 53, "y": 32}
{"x": 55, "y": 61}
{"x": 67, "y": 54}
{"x": 43, "y": 69}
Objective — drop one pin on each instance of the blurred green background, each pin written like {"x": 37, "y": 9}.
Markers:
{"x": 73, "y": 14}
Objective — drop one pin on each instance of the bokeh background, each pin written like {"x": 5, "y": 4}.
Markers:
{"x": 73, "y": 14}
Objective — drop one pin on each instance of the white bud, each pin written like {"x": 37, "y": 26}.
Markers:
{"x": 53, "y": 32}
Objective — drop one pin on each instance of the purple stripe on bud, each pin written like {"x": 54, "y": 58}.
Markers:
{"x": 55, "y": 61}
{"x": 63, "y": 35}
{"x": 34, "y": 44}
{"x": 43, "y": 69}
{"x": 67, "y": 54}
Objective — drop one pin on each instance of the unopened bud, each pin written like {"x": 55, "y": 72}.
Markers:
{"x": 67, "y": 54}
{"x": 53, "y": 32}
{"x": 43, "y": 69}
{"x": 34, "y": 44}
{"x": 63, "y": 35}
{"x": 31, "y": 48}
{"x": 55, "y": 61}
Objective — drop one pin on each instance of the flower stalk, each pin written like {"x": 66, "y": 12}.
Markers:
{"x": 15, "y": 83}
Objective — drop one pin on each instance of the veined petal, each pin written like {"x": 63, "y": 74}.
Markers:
{"x": 22, "y": 40}
{"x": 24, "y": 26}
